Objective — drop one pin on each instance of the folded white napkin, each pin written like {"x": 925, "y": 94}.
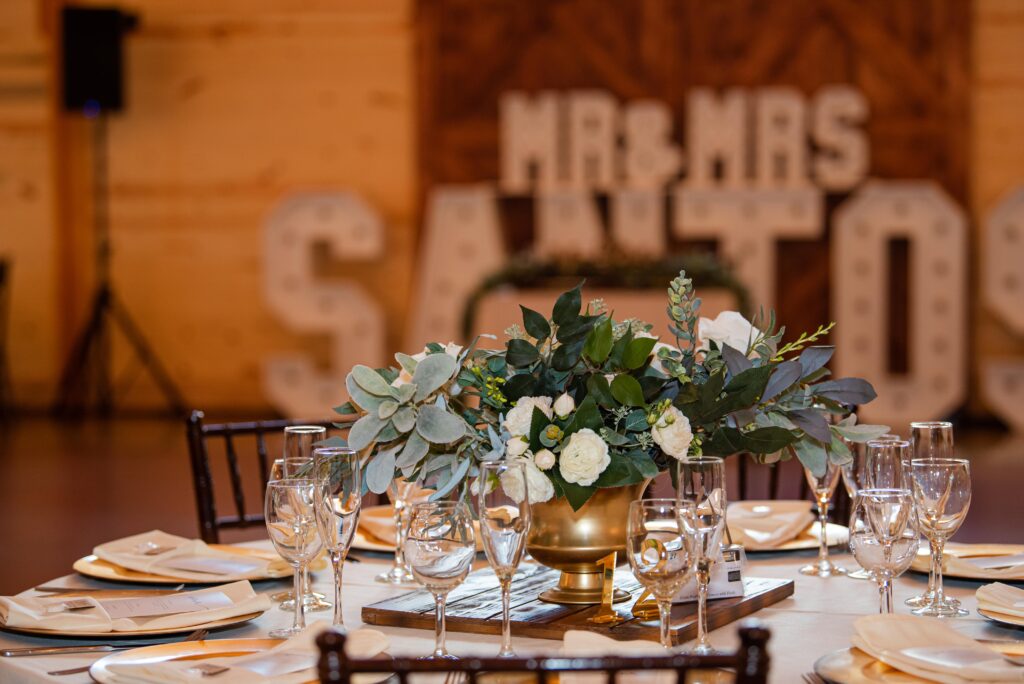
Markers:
{"x": 1001, "y": 598}
{"x": 159, "y": 553}
{"x": 762, "y": 525}
{"x": 982, "y": 560}
{"x": 291, "y": 662}
{"x": 579, "y": 643}
{"x": 110, "y": 615}
{"x": 379, "y": 522}
{"x": 928, "y": 648}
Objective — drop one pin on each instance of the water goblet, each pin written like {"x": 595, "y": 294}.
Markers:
{"x": 883, "y": 538}
{"x": 855, "y": 473}
{"x": 338, "y": 500}
{"x": 930, "y": 439}
{"x": 440, "y": 548}
{"x": 702, "y": 482}
{"x": 291, "y": 524}
{"x": 403, "y": 494}
{"x": 942, "y": 496}
{"x": 823, "y": 486}
{"x": 503, "y": 508}
{"x": 660, "y": 552}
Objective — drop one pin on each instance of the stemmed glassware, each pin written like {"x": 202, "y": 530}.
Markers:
{"x": 504, "y": 526}
{"x": 856, "y": 476}
{"x": 702, "y": 482}
{"x": 660, "y": 552}
{"x": 930, "y": 439}
{"x": 338, "y": 500}
{"x": 440, "y": 548}
{"x": 823, "y": 486}
{"x": 291, "y": 524}
{"x": 402, "y": 493}
{"x": 942, "y": 496}
{"x": 883, "y": 537}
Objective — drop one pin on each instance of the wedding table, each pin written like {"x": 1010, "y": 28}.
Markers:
{"x": 817, "y": 619}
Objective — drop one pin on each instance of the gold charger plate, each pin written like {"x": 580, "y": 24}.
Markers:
{"x": 922, "y": 563}
{"x": 854, "y": 666}
{"x": 92, "y": 566}
{"x": 215, "y": 624}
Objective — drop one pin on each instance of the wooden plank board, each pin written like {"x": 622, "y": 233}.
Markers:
{"x": 475, "y": 606}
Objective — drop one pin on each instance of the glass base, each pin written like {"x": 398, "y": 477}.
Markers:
{"x": 941, "y": 610}
{"x": 313, "y": 602}
{"x": 287, "y": 633}
{"x": 434, "y": 656}
{"x": 860, "y": 574}
{"x": 705, "y": 649}
{"x": 926, "y": 598}
{"x": 395, "y": 576}
{"x": 826, "y": 569}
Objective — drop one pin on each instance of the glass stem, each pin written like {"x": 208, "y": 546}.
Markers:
{"x": 399, "y": 539}
{"x": 823, "y": 561}
{"x": 884, "y": 593}
{"x": 506, "y": 619}
{"x": 300, "y": 608}
{"x": 665, "y": 613}
{"x": 703, "y": 578}
{"x": 439, "y": 633}
{"x": 305, "y": 584}
{"x": 937, "y": 544}
{"x": 338, "y": 561}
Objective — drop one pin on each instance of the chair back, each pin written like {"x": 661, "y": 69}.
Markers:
{"x": 782, "y": 480}
{"x": 200, "y": 434}
{"x": 750, "y": 661}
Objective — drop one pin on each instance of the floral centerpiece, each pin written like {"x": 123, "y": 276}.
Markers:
{"x": 592, "y": 405}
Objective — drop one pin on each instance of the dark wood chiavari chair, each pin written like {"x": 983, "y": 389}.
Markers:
{"x": 199, "y": 434}
{"x": 751, "y": 474}
{"x": 750, "y": 661}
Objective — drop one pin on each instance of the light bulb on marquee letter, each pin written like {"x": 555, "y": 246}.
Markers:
{"x": 934, "y": 225}
{"x": 343, "y": 309}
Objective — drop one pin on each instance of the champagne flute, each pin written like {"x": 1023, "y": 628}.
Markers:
{"x": 504, "y": 513}
{"x": 403, "y": 494}
{"x": 823, "y": 485}
{"x": 883, "y": 538}
{"x": 856, "y": 477}
{"x": 660, "y": 551}
{"x": 930, "y": 439}
{"x": 440, "y": 548}
{"x": 702, "y": 482}
{"x": 338, "y": 500}
{"x": 291, "y": 524}
{"x": 942, "y": 495}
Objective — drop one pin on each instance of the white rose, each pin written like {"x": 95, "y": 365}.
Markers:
{"x": 404, "y": 377}
{"x": 516, "y": 446}
{"x": 672, "y": 433}
{"x": 564, "y": 405}
{"x": 544, "y": 459}
{"x": 537, "y": 483}
{"x": 584, "y": 458}
{"x": 517, "y": 421}
{"x": 730, "y": 328}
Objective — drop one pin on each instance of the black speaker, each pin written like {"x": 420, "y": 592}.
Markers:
{"x": 93, "y": 58}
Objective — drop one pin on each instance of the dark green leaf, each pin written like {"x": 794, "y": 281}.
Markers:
{"x": 521, "y": 353}
{"x": 636, "y": 421}
{"x": 620, "y": 472}
{"x": 652, "y": 387}
{"x": 587, "y": 415}
{"x": 538, "y": 422}
{"x": 767, "y": 440}
{"x": 627, "y": 390}
{"x": 575, "y": 494}
{"x": 577, "y": 330}
{"x": 535, "y": 324}
{"x": 783, "y": 377}
{"x": 812, "y": 456}
{"x": 566, "y": 356}
{"x": 619, "y": 348}
{"x": 599, "y": 342}
{"x": 567, "y": 306}
{"x": 735, "y": 361}
{"x": 519, "y": 386}
{"x": 637, "y": 351}
{"x": 854, "y": 391}
{"x": 644, "y": 464}
{"x": 346, "y": 409}
{"x": 811, "y": 422}
{"x": 614, "y": 438}
{"x": 597, "y": 387}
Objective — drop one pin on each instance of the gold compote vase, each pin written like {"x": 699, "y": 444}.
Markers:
{"x": 574, "y": 541}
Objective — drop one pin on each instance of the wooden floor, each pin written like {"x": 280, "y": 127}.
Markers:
{"x": 67, "y": 486}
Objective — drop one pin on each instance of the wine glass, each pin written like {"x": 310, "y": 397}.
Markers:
{"x": 857, "y": 476}
{"x": 930, "y": 439}
{"x": 440, "y": 548}
{"x": 660, "y": 552}
{"x": 297, "y": 462}
{"x": 291, "y": 524}
{"x": 504, "y": 513}
{"x": 883, "y": 537}
{"x": 338, "y": 499}
{"x": 942, "y": 495}
{"x": 403, "y": 494}
{"x": 702, "y": 482}
{"x": 823, "y": 486}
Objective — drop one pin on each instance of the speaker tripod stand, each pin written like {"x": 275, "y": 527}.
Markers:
{"x": 87, "y": 374}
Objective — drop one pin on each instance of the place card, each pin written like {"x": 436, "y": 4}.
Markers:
{"x": 172, "y": 604}
{"x": 211, "y": 565}
{"x": 69, "y": 606}
{"x": 209, "y": 669}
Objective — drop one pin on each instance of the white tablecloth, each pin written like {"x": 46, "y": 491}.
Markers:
{"x": 815, "y": 620}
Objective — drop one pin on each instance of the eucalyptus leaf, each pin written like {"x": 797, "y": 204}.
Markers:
{"x": 387, "y": 409}
{"x": 454, "y": 480}
{"x": 431, "y": 373}
{"x": 853, "y": 391}
{"x": 860, "y": 433}
{"x": 636, "y": 421}
{"x": 415, "y": 448}
{"x": 366, "y": 401}
{"x": 364, "y": 431}
{"x": 812, "y": 456}
{"x": 371, "y": 381}
{"x": 782, "y": 378}
{"x": 814, "y": 358}
{"x": 349, "y": 408}
{"x": 438, "y": 426}
{"x": 404, "y": 419}
{"x": 535, "y": 324}
{"x": 380, "y": 471}
{"x": 406, "y": 392}
{"x": 735, "y": 361}
{"x": 812, "y": 422}
{"x": 407, "y": 362}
